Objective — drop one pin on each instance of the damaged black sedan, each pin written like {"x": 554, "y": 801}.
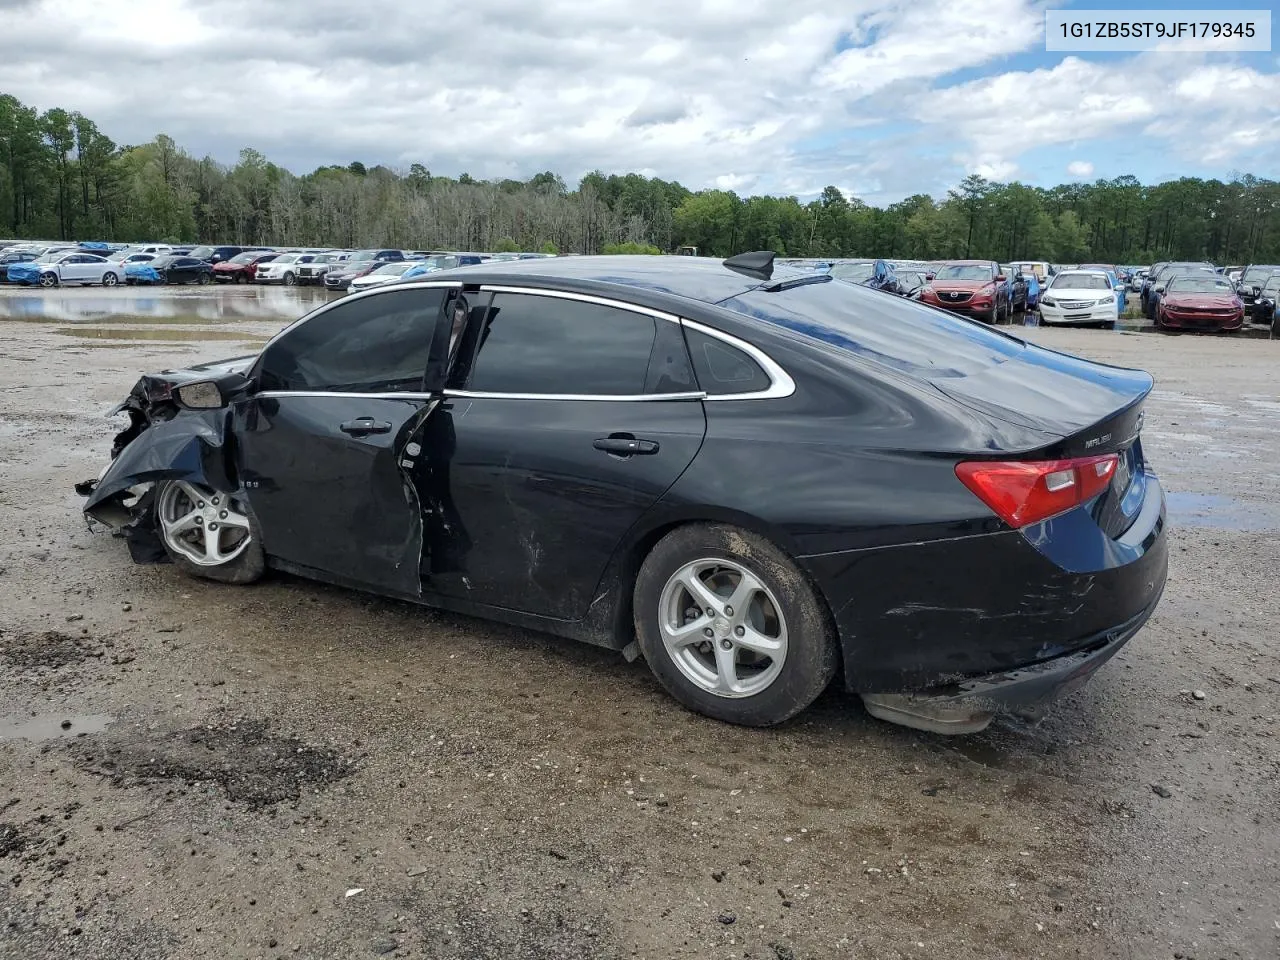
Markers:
{"x": 753, "y": 478}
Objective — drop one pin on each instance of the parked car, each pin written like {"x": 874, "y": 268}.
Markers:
{"x": 1166, "y": 275}
{"x": 1136, "y": 280}
{"x": 1080, "y": 298}
{"x": 217, "y": 254}
{"x": 1042, "y": 269}
{"x": 241, "y": 268}
{"x": 560, "y": 503}
{"x": 283, "y": 268}
{"x": 66, "y": 268}
{"x": 1252, "y": 279}
{"x": 171, "y": 270}
{"x": 155, "y": 249}
{"x": 384, "y": 273}
{"x": 361, "y": 262}
{"x": 1118, "y": 286}
{"x": 1160, "y": 273}
{"x": 1017, "y": 281}
{"x": 975, "y": 288}
{"x": 445, "y": 261}
{"x": 1264, "y": 306}
{"x": 9, "y": 258}
{"x": 1199, "y": 302}
{"x": 874, "y": 274}
{"x": 314, "y": 271}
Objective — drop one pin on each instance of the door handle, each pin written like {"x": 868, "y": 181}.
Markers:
{"x": 625, "y": 445}
{"x": 363, "y": 426}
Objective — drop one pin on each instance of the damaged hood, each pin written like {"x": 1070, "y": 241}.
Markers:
{"x": 160, "y": 386}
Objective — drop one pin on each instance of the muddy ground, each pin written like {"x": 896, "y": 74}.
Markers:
{"x": 190, "y": 770}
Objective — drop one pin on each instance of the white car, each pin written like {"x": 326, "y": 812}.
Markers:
{"x": 383, "y": 274}
{"x": 1079, "y": 297}
{"x": 154, "y": 249}
{"x": 283, "y": 269}
{"x": 78, "y": 268}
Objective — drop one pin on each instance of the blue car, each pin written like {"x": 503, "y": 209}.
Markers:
{"x": 142, "y": 273}
{"x": 1118, "y": 286}
{"x": 444, "y": 261}
{"x": 27, "y": 274}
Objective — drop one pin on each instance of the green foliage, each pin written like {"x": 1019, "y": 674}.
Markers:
{"x": 630, "y": 247}
{"x": 60, "y": 177}
{"x": 550, "y": 248}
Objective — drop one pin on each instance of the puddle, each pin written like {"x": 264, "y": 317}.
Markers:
{"x": 162, "y": 306}
{"x": 53, "y": 726}
{"x": 1221, "y": 512}
{"x": 120, "y": 333}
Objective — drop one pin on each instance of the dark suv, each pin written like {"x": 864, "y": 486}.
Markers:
{"x": 211, "y": 254}
{"x": 1252, "y": 280}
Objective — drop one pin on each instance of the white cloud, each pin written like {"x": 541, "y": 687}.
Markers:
{"x": 714, "y": 93}
{"x": 1080, "y": 168}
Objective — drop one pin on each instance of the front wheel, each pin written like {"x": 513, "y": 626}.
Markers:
{"x": 207, "y": 533}
{"x": 48, "y": 279}
{"x": 290, "y": 279}
{"x": 203, "y": 279}
{"x": 731, "y": 627}
{"x": 110, "y": 279}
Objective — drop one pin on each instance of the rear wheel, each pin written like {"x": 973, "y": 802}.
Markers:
{"x": 110, "y": 279}
{"x": 731, "y": 627}
{"x": 207, "y": 533}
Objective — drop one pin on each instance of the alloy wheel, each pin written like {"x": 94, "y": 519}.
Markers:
{"x": 205, "y": 526}
{"x": 110, "y": 280}
{"x": 722, "y": 627}
{"x": 48, "y": 280}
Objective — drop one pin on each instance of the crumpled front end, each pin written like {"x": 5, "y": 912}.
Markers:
{"x": 161, "y": 442}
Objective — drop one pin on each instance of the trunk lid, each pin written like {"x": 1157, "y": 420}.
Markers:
{"x": 1093, "y": 408}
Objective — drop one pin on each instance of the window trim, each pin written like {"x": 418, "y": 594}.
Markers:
{"x": 780, "y": 383}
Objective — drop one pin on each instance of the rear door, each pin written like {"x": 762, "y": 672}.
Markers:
{"x": 571, "y": 416}
{"x": 328, "y": 444}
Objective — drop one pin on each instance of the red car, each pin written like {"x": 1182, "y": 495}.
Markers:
{"x": 977, "y": 288}
{"x": 243, "y": 267}
{"x": 1200, "y": 303}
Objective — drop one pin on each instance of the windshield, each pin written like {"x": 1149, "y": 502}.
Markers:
{"x": 362, "y": 256}
{"x": 244, "y": 258}
{"x": 1080, "y": 281}
{"x": 962, "y": 272}
{"x": 161, "y": 261}
{"x": 1199, "y": 285}
{"x": 202, "y": 253}
{"x": 287, "y": 258}
{"x": 1254, "y": 276}
{"x": 853, "y": 271}
{"x": 396, "y": 268}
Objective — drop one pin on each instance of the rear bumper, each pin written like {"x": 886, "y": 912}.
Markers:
{"x": 923, "y": 618}
{"x": 969, "y": 705}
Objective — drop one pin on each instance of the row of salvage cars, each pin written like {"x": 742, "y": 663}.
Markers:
{"x": 757, "y": 478}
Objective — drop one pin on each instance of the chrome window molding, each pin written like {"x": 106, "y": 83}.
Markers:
{"x": 625, "y": 397}
{"x": 406, "y": 395}
{"x": 582, "y": 298}
{"x": 781, "y": 385}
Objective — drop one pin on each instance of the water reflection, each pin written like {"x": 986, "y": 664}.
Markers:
{"x": 118, "y": 333}
{"x": 160, "y": 305}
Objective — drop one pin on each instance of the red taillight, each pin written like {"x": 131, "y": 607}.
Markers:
{"x": 1023, "y": 492}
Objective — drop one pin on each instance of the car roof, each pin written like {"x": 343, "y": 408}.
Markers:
{"x": 693, "y": 278}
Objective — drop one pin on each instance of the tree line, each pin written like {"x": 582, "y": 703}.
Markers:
{"x": 63, "y": 178}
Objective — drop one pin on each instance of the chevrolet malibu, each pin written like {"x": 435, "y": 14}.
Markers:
{"x": 754, "y": 478}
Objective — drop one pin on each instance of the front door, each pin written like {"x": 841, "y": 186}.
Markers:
{"x": 329, "y": 442}
{"x": 571, "y": 418}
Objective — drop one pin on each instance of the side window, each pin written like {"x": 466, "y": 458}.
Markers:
{"x": 723, "y": 369}
{"x": 538, "y": 344}
{"x": 376, "y": 344}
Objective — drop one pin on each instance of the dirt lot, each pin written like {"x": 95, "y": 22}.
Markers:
{"x": 288, "y": 770}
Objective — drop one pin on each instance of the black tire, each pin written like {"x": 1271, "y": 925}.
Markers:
{"x": 290, "y": 279}
{"x": 1109, "y": 325}
{"x": 48, "y": 280}
{"x": 202, "y": 279}
{"x": 241, "y": 278}
{"x": 247, "y": 567}
{"x": 994, "y": 317}
{"x": 109, "y": 279}
{"x": 811, "y": 658}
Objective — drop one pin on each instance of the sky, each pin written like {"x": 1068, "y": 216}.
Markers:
{"x": 881, "y": 98}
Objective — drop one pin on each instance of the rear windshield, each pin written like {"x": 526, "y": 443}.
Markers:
{"x": 887, "y": 330}
{"x": 1079, "y": 281}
